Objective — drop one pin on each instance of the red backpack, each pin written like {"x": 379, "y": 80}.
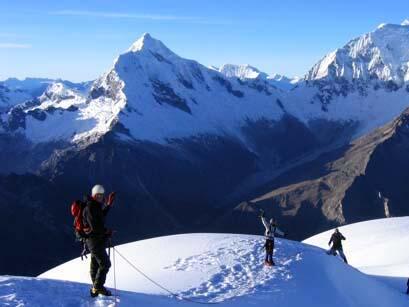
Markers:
{"x": 77, "y": 209}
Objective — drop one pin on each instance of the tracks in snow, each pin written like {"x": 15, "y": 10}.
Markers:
{"x": 238, "y": 269}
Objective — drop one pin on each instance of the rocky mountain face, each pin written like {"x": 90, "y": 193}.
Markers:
{"x": 363, "y": 180}
{"x": 184, "y": 144}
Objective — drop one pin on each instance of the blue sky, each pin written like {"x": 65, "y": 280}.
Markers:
{"x": 78, "y": 40}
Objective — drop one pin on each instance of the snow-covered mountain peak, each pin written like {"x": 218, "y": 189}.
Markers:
{"x": 279, "y": 77}
{"x": 405, "y": 22}
{"x": 282, "y": 78}
{"x": 56, "y": 93}
{"x": 57, "y": 88}
{"x": 381, "y": 25}
{"x": 147, "y": 43}
{"x": 283, "y": 82}
{"x": 244, "y": 71}
{"x": 149, "y": 81}
{"x": 382, "y": 55}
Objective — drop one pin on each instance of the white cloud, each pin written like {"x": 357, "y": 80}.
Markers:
{"x": 14, "y": 46}
{"x": 121, "y": 15}
{"x": 152, "y": 17}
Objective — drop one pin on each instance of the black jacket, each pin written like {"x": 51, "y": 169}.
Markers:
{"x": 336, "y": 240}
{"x": 94, "y": 217}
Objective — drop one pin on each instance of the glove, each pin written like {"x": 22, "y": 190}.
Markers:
{"x": 261, "y": 213}
{"x": 111, "y": 198}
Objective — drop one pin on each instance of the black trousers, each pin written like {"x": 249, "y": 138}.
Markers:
{"x": 100, "y": 262}
{"x": 269, "y": 250}
{"x": 334, "y": 250}
{"x": 407, "y": 283}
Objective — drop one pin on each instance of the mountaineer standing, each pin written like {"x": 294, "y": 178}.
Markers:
{"x": 336, "y": 240}
{"x": 271, "y": 230}
{"x": 97, "y": 237}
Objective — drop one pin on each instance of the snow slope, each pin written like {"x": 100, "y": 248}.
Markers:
{"x": 378, "y": 247}
{"x": 371, "y": 111}
{"x": 36, "y": 292}
{"x": 228, "y": 269}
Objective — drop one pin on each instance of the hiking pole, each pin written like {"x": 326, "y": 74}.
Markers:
{"x": 114, "y": 267}
{"x": 114, "y": 264}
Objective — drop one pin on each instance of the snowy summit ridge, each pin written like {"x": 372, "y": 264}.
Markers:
{"x": 147, "y": 43}
{"x": 382, "y": 55}
{"x": 244, "y": 71}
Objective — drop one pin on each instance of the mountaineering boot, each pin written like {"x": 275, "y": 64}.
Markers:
{"x": 407, "y": 283}
{"x": 103, "y": 291}
{"x": 93, "y": 292}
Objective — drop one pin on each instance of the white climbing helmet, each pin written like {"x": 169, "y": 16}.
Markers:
{"x": 97, "y": 189}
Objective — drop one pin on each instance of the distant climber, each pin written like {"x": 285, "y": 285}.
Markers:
{"x": 271, "y": 230}
{"x": 336, "y": 240}
{"x": 97, "y": 237}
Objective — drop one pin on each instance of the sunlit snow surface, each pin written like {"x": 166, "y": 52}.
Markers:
{"x": 378, "y": 247}
{"x": 222, "y": 268}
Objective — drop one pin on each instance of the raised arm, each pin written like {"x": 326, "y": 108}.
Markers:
{"x": 109, "y": 203}
{"x": 265, "y": 223}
